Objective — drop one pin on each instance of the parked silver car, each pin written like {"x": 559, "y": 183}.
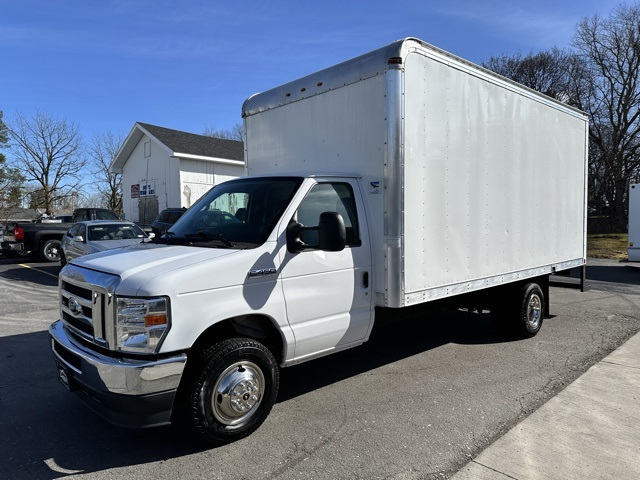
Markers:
{"x": 94, "y": 236}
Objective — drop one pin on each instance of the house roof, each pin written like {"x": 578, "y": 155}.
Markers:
{"x": 180, "y": 144}
{"x": 20, "y": 215}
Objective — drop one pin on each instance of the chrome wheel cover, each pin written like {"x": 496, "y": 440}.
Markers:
{"x": 53, "y": 252}
{"x": 534, "y": 312}
{"x": 237, "y": 393}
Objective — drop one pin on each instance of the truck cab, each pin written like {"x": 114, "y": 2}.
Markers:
{"x": 246, "y": 261}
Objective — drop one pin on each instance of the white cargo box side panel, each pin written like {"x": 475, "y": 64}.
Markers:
{"x": 634, "y": 223}
{"x": 341, "y": 130}
{"x": 494, "y": 180}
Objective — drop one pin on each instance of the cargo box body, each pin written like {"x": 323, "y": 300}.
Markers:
{"x": 470, "y": 179}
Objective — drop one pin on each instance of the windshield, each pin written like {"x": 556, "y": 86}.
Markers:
{"x": 238, "y": 213}
{"x": 115, "y": 232}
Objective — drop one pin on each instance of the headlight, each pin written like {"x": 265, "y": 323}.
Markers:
{"x": 141, "y": 324}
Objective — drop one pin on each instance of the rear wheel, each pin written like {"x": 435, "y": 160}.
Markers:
{"x": 230, "y": 391}
{"x": 519, "y": 310}
{"x": 50, "y": 251}
{"x": 532, "y": 310}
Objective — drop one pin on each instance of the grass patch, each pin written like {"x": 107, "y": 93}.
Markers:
{"x": 607, "y": 245}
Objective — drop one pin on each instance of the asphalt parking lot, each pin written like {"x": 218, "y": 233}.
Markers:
{"x": 420, "y": 399}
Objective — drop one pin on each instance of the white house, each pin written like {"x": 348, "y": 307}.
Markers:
{"x": 163, "y": 168}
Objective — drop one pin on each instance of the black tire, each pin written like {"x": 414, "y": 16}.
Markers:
{"x": 50, "y": 251}
{"x": 532, "y": 308}
{"x": 230, "y": 390}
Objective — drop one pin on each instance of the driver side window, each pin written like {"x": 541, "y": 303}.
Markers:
{"x": 329, "y": 197}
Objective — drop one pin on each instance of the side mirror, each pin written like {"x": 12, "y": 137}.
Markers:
{"x": 151, "y": 235}
{"x": 332, "y": 236}
{"x": 78, "y": 238}
{"x": 332, "y": 232}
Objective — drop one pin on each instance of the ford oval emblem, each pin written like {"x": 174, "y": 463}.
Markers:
{"x": 75, "y": 307}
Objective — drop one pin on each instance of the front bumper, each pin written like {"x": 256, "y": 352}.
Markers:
{"x": 127, "y": 392}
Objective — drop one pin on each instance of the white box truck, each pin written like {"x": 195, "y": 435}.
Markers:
{"x": 401, "y": 177}
{"x": 634, "y": 223}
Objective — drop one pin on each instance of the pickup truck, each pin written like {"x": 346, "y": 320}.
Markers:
{"x": 43, "y": 238}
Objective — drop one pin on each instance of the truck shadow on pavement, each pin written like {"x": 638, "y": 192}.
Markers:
{"x": 392, "y": 341}
{"x": 48, "y": 433}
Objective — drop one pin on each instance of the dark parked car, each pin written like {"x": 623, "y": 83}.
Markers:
{"x": 166, "y": 219}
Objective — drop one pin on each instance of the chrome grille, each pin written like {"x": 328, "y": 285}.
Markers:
{"x": 87, "y": 304}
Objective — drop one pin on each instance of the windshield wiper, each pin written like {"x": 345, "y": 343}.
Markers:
{"x": 167, "y": 238}
{"x": 210, "y": 236}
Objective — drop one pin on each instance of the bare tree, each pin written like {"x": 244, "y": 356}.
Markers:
{"x": 610, "y": 51}
{"x": 47, "y": 152}
{"x": 102, "y": 150}
{"x": 235, "y": 133}
{"x": 545, "y": 71}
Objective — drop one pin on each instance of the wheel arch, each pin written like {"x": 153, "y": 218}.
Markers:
{"x": 255, "y": 326}
{"x": 41, "y": 237}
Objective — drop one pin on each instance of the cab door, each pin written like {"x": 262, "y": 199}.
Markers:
{"x": 328, "y": 294}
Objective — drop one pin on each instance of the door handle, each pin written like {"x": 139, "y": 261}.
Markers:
{"x": 365, "y": 279}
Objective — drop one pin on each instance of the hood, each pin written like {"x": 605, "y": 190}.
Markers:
{"x": 128, "y": 261}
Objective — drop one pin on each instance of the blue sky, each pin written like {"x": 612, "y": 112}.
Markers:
{"x": 190, "y": 64}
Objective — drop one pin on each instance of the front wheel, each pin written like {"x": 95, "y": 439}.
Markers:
{"x": 231, "y": 390}
{"x": 50, "y": 251}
